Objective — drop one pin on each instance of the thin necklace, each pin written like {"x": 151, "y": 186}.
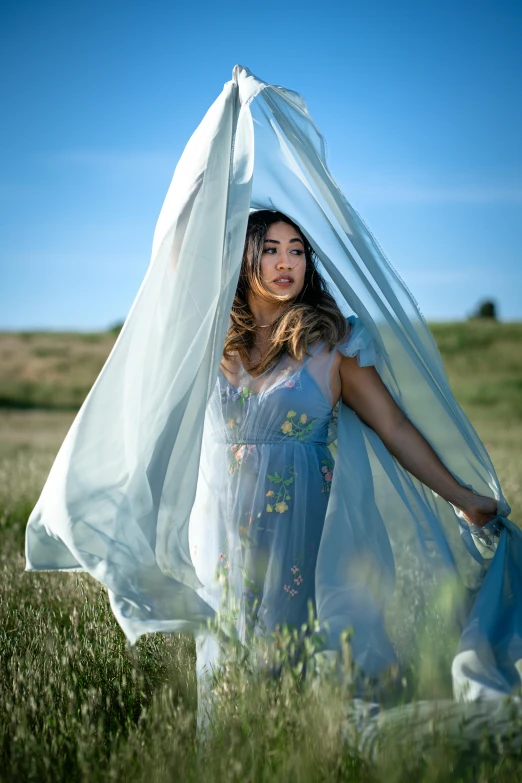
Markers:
{"x": 266, "y": 326}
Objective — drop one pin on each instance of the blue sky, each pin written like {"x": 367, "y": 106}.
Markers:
{"x": 420, "y": 104}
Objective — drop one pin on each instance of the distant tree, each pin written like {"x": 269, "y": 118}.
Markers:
{"x": 486, "y": 309}
{"x": 116, "y": 327}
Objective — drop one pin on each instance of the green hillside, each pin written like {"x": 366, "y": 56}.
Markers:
{"x": 55, "y": 370}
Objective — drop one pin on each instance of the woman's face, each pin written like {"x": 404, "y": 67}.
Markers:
{"x": 283, "y": 262}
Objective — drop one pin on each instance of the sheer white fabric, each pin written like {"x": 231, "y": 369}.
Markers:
{"x": 119, "y": 501}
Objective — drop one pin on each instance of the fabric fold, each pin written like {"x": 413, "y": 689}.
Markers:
{"x": 360, "y": 344}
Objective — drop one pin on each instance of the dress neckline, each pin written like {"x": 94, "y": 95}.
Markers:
{"x": 301, "y": 368}
{"x": 266, "y": 387}
{"x": 253, "y": 377}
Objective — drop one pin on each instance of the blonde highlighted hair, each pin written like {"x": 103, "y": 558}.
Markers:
{"x": 313, "y": 315}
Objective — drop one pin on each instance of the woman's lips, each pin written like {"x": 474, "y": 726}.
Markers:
{"x": 284, "y": 281}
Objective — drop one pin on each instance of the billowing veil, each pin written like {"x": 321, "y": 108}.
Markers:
{"x": 119, "y": 497}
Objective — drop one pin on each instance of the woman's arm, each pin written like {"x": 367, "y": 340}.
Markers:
{"x": 363, "y": 390}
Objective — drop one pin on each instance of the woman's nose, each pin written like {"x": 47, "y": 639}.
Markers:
{"x": 284, "y": 262}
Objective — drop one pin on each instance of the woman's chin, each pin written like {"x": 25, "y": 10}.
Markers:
{"x": 284, "y": 294}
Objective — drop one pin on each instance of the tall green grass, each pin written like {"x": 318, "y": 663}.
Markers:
{"x": 77, "y": 704}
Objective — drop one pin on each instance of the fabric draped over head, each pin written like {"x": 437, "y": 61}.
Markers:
{"x": 118, "y": 500}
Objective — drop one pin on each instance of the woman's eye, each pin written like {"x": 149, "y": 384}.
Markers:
{"x": 297, "y": 252}
{"x": 270, "y": 250}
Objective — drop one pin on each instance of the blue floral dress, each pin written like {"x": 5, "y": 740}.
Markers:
{"x": 265, "y": 477}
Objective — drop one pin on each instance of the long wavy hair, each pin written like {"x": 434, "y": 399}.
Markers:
{"x": 312, "y": 315}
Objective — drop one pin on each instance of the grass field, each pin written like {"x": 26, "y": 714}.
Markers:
{"x": 76, "y": 704}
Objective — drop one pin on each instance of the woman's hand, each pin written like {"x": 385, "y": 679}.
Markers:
{"x": 480, "y": 510}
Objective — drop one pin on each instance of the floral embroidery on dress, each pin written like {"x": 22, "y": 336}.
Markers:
{"x": 247, "y": 538}
{"x": 286, "y": 419}
{"x": 244, "y": 393}
{"x": 297, "y": 427}
{"x": 232, "y": 394}
{"x": 239, "y": 455}
{"x": 296, "y": 579}
{"x": 327, "y": 473}
{"x": 278, "y": 497}
{"x": 293, "y": 379}
{"x": 223, "y": 563}
{"x": 332, "y": 424}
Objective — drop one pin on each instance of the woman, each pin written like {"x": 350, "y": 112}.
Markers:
{"x": 160, "y": 478}
{"x": 287, "y": 363}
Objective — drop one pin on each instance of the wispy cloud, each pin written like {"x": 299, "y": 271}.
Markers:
{"x": 119, "y": 162}
{"x": 439, "y": 275}
{"x": 405, "y": 193}
{"x": 476, "y": 275}
{"x": 384, "y": 187}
